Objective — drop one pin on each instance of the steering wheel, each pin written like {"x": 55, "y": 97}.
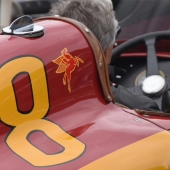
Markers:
{"x": 154, "y": 86}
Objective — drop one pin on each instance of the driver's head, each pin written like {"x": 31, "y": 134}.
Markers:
{"x": 97, "y": 15}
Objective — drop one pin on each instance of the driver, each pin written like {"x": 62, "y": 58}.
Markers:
{"x": 99, "y": 17}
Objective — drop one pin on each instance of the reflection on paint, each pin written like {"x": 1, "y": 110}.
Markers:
{"x": 153, "y": 151}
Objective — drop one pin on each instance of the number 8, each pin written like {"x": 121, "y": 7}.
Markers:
{"x": 17, "y": 139}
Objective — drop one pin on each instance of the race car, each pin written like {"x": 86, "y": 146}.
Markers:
{"x": 57, "y": 109}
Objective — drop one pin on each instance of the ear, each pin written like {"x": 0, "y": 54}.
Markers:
{"x": 108, "y": 54}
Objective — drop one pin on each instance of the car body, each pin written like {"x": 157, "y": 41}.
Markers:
{"x": 57, "y": 109}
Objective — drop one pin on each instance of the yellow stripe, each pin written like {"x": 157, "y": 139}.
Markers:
{"x": 152, "y": 153}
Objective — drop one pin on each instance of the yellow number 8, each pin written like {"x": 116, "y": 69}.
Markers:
{"x": 26, "y": 123}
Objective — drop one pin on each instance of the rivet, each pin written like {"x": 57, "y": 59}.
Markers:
{"x": 101, "y": 65}
{"x": 110, "y": 98}
{"x": 87, "y": 30}
{"x": 115, "y": 44}
{"x": 138, "y": 119}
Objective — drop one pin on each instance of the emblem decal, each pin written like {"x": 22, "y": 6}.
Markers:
{"x": 67, "y": 64}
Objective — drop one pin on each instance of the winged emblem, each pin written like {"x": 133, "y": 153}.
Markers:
{"x": 67, "y": 64}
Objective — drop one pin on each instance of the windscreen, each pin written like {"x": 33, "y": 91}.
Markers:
{"x": 137, "y": 17}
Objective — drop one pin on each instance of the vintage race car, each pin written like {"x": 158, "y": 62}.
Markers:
{"x": 57, "y": 109}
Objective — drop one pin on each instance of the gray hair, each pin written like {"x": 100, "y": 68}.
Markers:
{"x": 97, "y": 15}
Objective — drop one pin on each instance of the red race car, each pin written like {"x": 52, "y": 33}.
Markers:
{"x": 57, "y": 108}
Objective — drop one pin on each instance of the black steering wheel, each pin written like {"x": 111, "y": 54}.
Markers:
{"x": 154, "y": 86}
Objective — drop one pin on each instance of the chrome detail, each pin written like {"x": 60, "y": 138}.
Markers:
{"x": 142, "y": 76}
{"x": 87, "y": 30}
{"x": 24, "y": 26}
{"x": 115, "y": 44}
{"x": 153, "y": 84}
{"x": 110, "y": 98}
{"x": 101, "y": 65}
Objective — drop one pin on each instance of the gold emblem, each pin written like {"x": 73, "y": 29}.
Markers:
{"x": 67, "y": 64}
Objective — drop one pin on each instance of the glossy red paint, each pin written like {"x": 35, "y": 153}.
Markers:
{"x": 83, "y": 113}
{"x": 103, "y": 128}
{"x": 161, "y": 121}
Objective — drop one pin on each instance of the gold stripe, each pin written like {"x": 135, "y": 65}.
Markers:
{"x": 151, "y": 153}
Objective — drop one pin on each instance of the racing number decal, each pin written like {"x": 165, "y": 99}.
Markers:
{"x": 26, "y": 123}
{"x": 8, "y": 108}
{"x": 73, "y": 147}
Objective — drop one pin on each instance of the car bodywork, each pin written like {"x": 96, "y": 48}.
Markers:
{"x": 57, "y": 110}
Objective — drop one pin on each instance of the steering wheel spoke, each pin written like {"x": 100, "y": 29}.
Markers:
{"x": 152, "y": 63}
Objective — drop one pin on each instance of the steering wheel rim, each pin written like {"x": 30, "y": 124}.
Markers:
{"x": 138, "y": 40}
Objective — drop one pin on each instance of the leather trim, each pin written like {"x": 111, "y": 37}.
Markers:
{"x": 97, "y": 51}
{"x": 153, "y": 113}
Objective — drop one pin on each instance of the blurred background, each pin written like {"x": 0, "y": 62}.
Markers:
{"x": 136, "y": 17}
{"x": 12, "y": 9}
